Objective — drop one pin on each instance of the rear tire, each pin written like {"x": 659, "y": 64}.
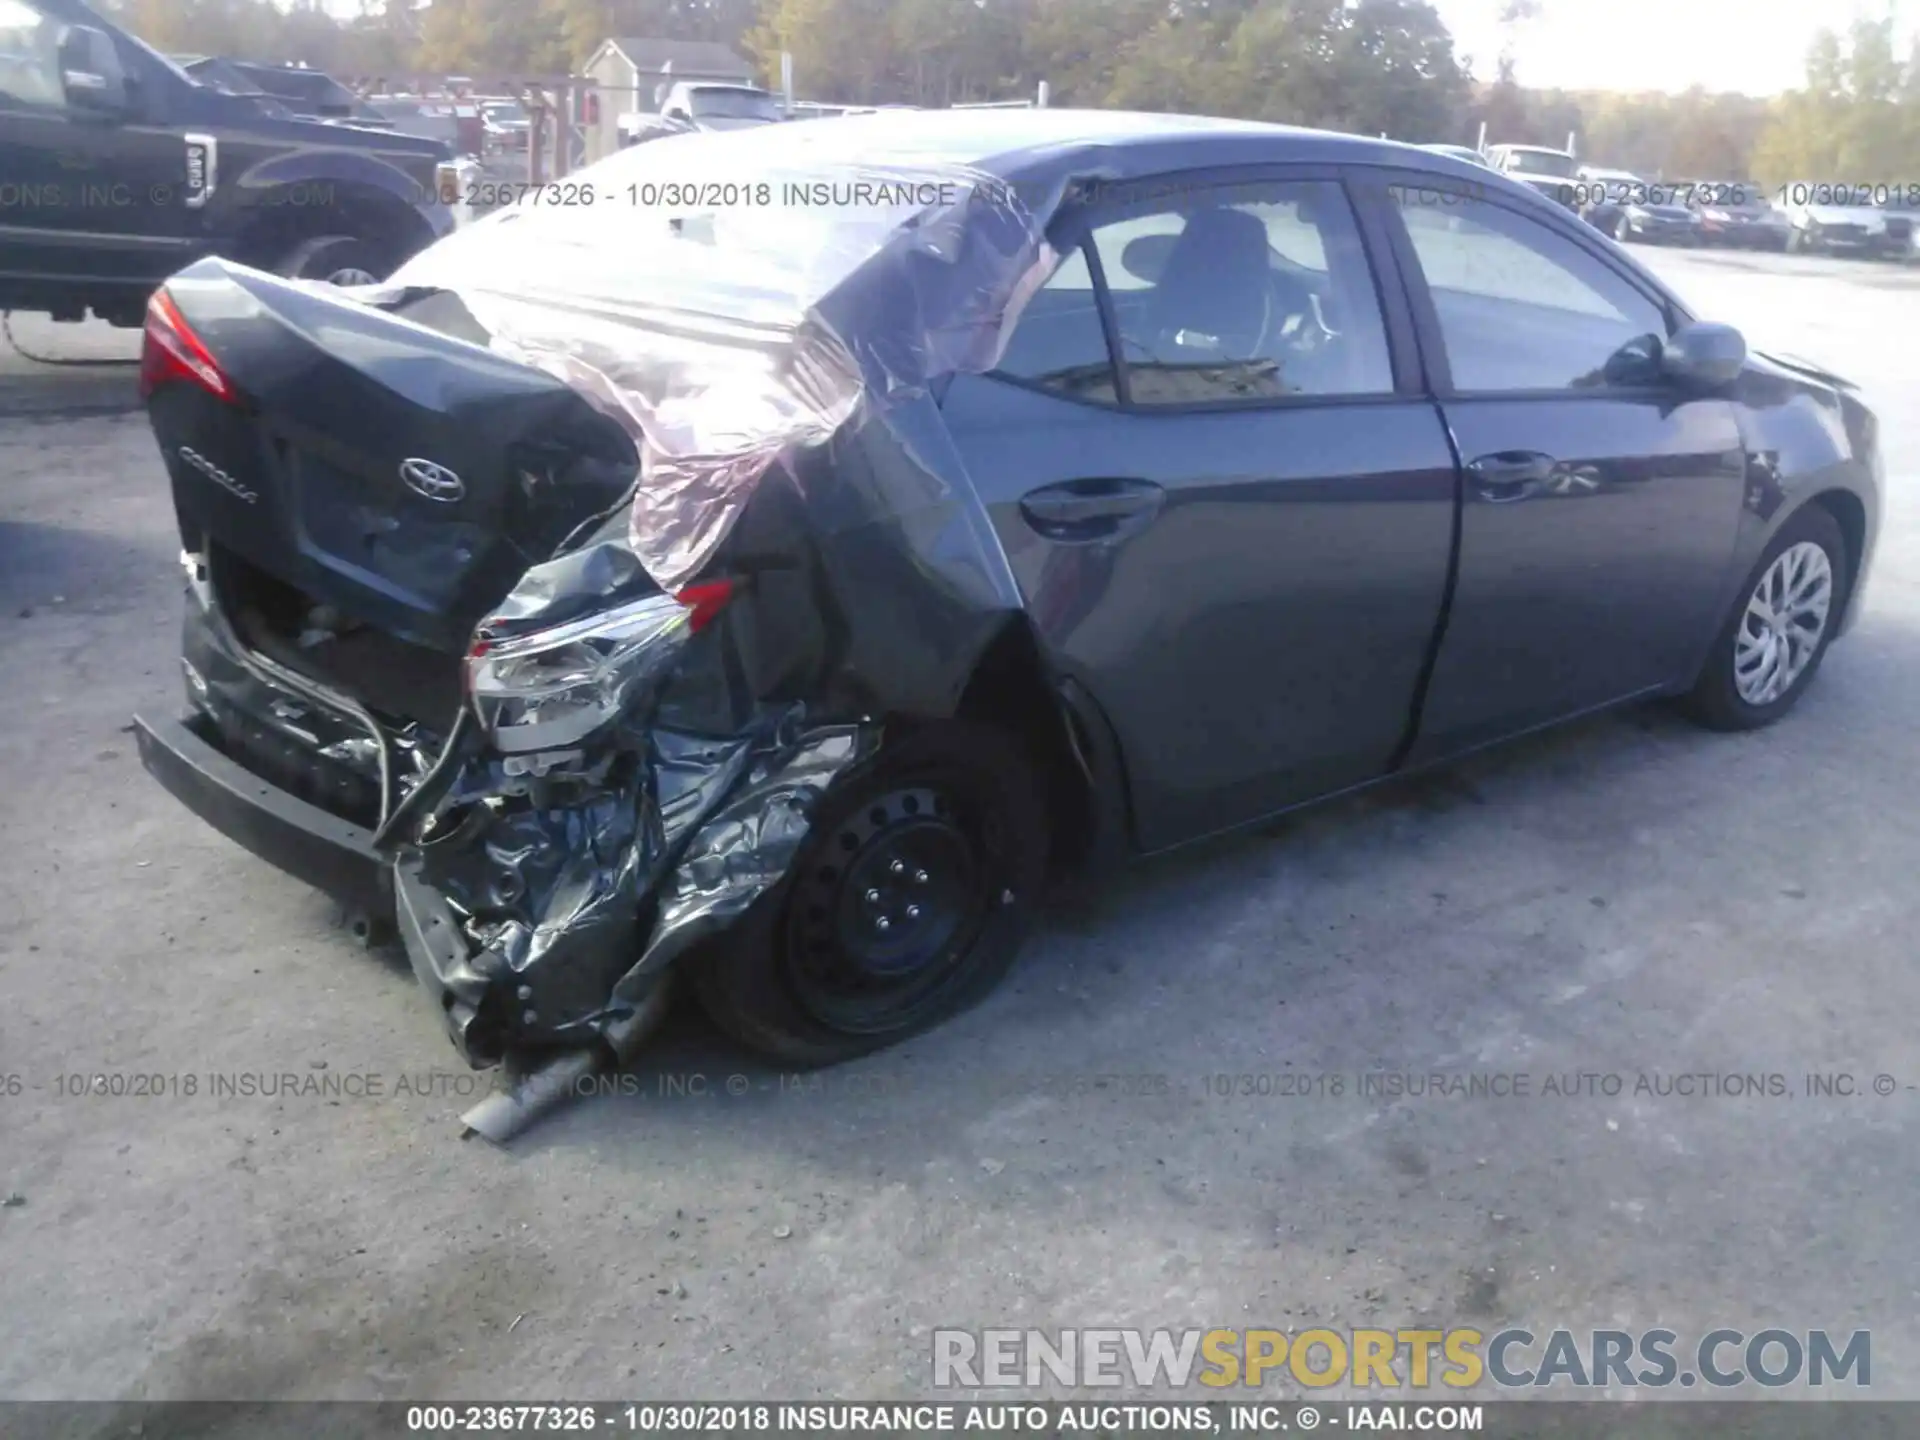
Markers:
{"x": 1733, "y": 692}
{"x": 906, "y": 906}
{"x": 337, "y": 259}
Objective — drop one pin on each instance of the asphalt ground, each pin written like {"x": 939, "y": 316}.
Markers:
{"x": 1158, "y": 1121}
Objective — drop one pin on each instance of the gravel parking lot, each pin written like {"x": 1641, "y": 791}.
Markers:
{"x": 1631, "y": 896}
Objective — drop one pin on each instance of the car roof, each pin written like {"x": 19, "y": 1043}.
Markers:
{"x": 1013, "y": 143}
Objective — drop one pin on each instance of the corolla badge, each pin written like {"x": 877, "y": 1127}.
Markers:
{"x": 434, "y": 481}
{"x": 219, "y": 477}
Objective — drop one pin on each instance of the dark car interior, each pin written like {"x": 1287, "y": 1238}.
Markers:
{"x": 1214, "y": 310}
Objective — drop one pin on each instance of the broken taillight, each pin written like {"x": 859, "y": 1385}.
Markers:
{"x": 554, "y": 687}
{"x": 171, "y": 351}
{"x": 704, "y": 602}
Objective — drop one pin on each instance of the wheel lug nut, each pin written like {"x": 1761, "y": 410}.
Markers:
{"x": 919, "y": 877}
{"x": 882, "y": 923}
{"x": 897, "y": 868}
{"x": 913, "y": 912}
{"x": 873, "y": 897}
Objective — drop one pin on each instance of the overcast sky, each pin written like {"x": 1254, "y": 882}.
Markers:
{"x": 1759, "y": 46}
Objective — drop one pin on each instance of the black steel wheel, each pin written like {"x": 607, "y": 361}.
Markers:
{"x": 894, "y": 904}
{"x": 906, "y": 905}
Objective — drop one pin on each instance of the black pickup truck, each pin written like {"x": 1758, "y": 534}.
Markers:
{"x": 117, "y": 168}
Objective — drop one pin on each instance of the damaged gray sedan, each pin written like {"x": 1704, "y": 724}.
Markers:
{"x": 774, "y": 563}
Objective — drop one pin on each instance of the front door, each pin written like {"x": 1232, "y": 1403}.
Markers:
{"x": 1600, "y": 502}
{"x": 88, "y": 197}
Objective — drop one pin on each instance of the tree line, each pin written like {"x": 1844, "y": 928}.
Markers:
{"x": 1367, "y": 66}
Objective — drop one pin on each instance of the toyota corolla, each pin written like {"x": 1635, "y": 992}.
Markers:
{"x": 776, "y": 593}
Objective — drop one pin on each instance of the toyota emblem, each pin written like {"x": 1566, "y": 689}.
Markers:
{"x": 434, "y": 481}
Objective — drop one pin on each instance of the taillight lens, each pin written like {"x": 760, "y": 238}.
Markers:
{"x": 171, "y": 351}
{"x": 553, "y": 688}
{"x": 704, "y": 602}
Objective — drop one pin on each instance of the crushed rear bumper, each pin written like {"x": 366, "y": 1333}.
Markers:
{"x": 327, "y": 852}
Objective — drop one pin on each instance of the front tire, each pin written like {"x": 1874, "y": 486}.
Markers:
{"x": 906, "y": 905}
{"x": 1771, "y": 646}
{"x": 337, "y": 259}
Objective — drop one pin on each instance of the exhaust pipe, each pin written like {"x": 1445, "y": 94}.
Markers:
{"x": 532, "y": 1095}
{"x": 529, "y": 1096}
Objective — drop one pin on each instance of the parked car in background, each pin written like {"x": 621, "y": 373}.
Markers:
{"x": 1904, "y": 212}
{"x": 1659, "y": 217}
{"x": 1832, "y": 220}
{"x": 809, "y": 707}
{"x": 303, "y": 91}
{"x": 1552, "y": 172}
{"x": 1601, "y": 196}
{"x": 229, "y": 79}
{"x": 507, "y": 125}
{"x": 138, "y": 168}
{"x": 1737, "y": 213}
{"x": 433, "y": 120}
{"x": 691, "y": 107}
{"x": 1460, "y": 152}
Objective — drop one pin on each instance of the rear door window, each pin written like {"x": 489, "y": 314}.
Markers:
{"x": 1060, "y": 343}
{"x": 1244, "y": 293}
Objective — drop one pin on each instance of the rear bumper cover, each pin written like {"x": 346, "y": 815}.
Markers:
{"x": 331, "y": 854}
{"x": 307, "y": 842}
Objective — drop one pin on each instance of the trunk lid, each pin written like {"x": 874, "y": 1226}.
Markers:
{"x": 380, "y": 465}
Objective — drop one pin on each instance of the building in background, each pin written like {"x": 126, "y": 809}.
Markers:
{"x": 627, "y": 71}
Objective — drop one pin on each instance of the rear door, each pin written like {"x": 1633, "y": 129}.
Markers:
{"x": 1228, "y": 507}
{"x": 1600, "y": 502}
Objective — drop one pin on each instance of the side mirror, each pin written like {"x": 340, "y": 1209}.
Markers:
{"x": 679, "y": 116}
{"x": 1704, "y": 356}
{"x": 90, "y": 71}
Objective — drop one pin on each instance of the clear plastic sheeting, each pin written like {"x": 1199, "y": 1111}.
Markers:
{"x": 540, "y": 890}
{"x": 748, "y": 844}
{"x": 774, "y": 304}
{"x": 732, "y": 297}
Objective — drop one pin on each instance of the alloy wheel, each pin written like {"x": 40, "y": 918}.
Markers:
{"x": 1785, "y": 620}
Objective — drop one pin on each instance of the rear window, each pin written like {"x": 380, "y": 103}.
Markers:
{"x": 754, "y": 232}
